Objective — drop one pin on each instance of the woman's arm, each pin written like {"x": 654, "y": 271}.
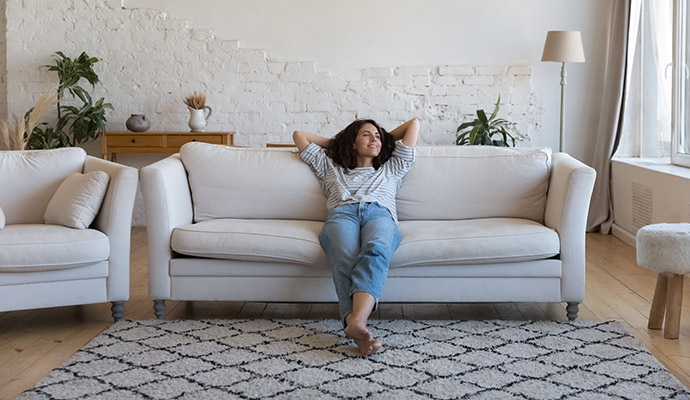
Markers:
{"x": 302, "y": 140}
{"x": 408, "y": 132}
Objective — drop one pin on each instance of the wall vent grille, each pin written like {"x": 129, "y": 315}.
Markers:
{"x": 641, "y": 205}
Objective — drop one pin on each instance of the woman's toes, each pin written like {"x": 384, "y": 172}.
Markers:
{"x": 368, "y": 347}
{"x": 376, "y": 346}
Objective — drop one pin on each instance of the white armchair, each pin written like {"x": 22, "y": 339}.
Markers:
{"x": 44, "y": 265}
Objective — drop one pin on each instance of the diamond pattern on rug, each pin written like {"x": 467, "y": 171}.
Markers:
{"x": 306, "y": 359}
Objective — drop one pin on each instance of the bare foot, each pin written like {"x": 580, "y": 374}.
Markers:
{"x": 357, "y": 330}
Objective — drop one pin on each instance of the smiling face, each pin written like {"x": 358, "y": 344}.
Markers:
{"x": 368, "y": 142}
{"x": 363, "y": 143}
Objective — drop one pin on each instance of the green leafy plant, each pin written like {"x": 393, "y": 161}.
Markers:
{"x": 76, "y": 123}
{"x": 490, "y": 131}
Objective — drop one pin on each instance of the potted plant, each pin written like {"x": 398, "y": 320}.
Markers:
{"x": 76, "y": 123}
{"x": 490, "y": 131}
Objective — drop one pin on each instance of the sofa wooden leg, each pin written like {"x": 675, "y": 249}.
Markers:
{"x": 571, "y": 310}
{"x": 159, "y": 308}
{"x": 656, "y": 313}
{"x": 118, "y": 310}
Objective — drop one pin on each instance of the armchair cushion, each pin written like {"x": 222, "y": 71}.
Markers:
{"x": 38, "y": 247}
{"x": 34, "y": 176}
{"x": 77, "y": 200}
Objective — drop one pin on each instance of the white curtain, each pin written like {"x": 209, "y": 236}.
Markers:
{"x": 614, "y": 93}
{"x": 647, "y": 123}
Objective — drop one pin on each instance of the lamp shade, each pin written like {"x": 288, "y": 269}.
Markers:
{"x": 563, "y": 46}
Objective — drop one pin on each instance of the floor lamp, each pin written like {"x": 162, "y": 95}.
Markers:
{"x": 563, "y": 47}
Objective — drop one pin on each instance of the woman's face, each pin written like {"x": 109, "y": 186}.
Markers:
{"x": 368, "y": 141}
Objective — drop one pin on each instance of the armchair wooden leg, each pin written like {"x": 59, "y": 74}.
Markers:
{"x": 571, "y": 310}
{"x": 159, "y": 308}
{"x": 656, "y": 313}
{"x": 675, "y": 304}
{"x": 118, "y": 310}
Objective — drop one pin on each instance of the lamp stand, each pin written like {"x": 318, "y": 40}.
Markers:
{"x": 563, "y": 83}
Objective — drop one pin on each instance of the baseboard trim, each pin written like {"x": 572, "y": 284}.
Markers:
{"x": 624, "y": 235}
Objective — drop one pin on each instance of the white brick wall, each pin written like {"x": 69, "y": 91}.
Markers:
{"x": 150, "y": 61}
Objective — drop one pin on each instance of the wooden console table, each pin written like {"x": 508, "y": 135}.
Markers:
{"x": 157, "y": 142}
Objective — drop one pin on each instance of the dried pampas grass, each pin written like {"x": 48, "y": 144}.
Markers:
{"x": 196, "y": 101}
{"x": 16, "y": 139}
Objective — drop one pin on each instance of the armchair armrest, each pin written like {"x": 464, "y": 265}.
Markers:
{"x": 570, "y": 190}
{"x": 168, "y": 205}
{"x": 115, "y": 220}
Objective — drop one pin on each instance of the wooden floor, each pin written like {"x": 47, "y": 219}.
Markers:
{"x": 34, "y": 342}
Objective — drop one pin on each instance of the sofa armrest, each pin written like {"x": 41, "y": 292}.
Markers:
{"x": 115, "y": 220}
{"x": 567, "y": 204}
{"x": 168, "y": 205}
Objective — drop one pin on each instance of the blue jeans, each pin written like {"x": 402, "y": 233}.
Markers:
{"x": 359, "y": 240}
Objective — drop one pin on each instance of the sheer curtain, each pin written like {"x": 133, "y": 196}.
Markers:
{"x": 647, "y": 127}
{"x": 616, "y": 79}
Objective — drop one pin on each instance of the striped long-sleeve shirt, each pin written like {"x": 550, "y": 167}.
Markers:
{"x": 366, "y": 184}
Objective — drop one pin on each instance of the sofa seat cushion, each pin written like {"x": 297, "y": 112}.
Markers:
{"x": 39, "y": 247}
{"x": 424, "y": 243}
{"x": 284, "y": 241}
{"x": 474, "y": 241}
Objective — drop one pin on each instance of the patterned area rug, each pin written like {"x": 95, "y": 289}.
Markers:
{"x": 306, "y": 359}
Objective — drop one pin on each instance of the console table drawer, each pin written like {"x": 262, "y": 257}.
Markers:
{"x": 157, "y": 142}
{"x": 178, "y": 141}
{"x": 135, "y": 141}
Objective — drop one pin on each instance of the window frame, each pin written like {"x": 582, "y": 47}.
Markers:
{"x": 680, "y": 136}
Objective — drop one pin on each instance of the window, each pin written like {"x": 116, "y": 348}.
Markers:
{"x": 680, "y": 153}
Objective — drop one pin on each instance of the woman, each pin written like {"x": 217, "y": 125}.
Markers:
{"x": 360, "y": 171}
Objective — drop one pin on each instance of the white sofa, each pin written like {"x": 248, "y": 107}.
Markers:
{"x": 478, "y": 224}
{"x": 43, "y": 265}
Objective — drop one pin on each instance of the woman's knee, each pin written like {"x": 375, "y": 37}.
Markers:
{"x": 340, "y": 244}
{"x": 382, "y": 236}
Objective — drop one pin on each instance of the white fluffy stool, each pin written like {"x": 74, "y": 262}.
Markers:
{"x": 665, "y": 248}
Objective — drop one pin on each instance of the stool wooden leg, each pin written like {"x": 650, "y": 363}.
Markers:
{"x": 656, "y": 314}
{"x": 675, "y": 304}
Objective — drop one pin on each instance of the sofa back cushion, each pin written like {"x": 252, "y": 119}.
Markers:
{"x": 461, "y": 182}
{"x": 444, "y": 183}
{"x": 29, "y": 179}
{"x": 229, "y": 182}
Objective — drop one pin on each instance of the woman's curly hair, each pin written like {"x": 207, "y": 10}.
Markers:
{"x": 343, "y": 153}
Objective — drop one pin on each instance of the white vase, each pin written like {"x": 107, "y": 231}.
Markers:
{"x": 199, "y": 118}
